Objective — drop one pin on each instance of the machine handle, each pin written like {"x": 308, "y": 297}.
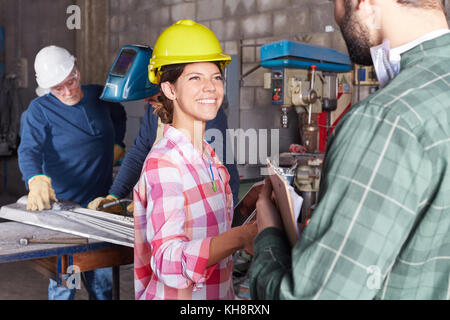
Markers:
{"x": 313, "y": 76}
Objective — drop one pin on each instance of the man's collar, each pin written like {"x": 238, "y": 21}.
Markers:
{"x": 395, "y": 53}
{"x": 387, "y": 61}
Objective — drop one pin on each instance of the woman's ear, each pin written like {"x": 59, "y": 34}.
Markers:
{"x": 169, "y": 90}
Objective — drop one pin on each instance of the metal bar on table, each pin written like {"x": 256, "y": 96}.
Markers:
{"x": 96, "y": 226}
{"x": 107, "y": 216}
{"x": 112, "y": 227}
{"x": 104, "y": 223}
{"x": 100, "y": 221}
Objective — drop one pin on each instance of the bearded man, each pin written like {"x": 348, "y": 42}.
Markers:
{"x": 381, "y": 226}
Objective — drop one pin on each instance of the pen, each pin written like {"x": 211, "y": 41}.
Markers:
{"x": 212, "y": 176}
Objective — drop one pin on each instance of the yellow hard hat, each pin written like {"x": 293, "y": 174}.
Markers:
{"x": 185, "y": 42}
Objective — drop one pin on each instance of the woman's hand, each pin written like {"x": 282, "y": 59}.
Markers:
{"x": 227, "y": 243}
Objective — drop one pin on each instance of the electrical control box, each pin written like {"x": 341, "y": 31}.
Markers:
{"x": 277, "y": 86}
{"x": 291, "y": 87}
{"x": 365, "y": 76}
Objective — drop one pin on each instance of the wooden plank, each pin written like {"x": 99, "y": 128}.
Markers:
{"x": 87, "y": 261}
{"x": 46, "y": 267}
{"x": 104, "y": 258}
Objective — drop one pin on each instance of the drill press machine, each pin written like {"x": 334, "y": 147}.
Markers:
{"x": 304, "y": 77}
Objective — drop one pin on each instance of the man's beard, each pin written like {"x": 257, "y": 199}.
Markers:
{"x": 356, "y": 36}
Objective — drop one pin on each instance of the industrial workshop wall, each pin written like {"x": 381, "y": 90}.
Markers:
{"x": 105, "y": 25}
{"x": 92, "y": 39}
{"x": 29, "y": 26}
{"x": 241, "y": 26}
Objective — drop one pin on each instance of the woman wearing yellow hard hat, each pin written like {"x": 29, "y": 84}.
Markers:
{"x": 183, "y": 201}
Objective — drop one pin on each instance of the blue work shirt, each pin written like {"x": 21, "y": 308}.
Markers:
{"x": 131, "y": 167}
{"x": 73, "y": 145}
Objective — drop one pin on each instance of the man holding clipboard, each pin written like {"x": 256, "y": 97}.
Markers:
{"x": 381, "y": 226}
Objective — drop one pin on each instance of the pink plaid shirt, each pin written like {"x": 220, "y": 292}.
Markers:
{"x": 176, "y": 214}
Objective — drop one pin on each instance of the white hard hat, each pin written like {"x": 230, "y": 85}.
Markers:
{"x": 53, "y": 65}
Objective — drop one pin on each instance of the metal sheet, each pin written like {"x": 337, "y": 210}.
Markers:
{"x": 54, "y": 220}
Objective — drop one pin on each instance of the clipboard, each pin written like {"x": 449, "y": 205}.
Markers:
{"x": 241, "y": 214}
{"x": 284, "y": 203}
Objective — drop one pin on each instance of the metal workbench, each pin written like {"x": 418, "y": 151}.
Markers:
{"x": 53, "y": 259}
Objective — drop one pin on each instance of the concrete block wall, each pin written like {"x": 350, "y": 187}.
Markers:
{"x": 252, "y": 21}
{"x": 29, "y": 26}
{"x": 236, "y": 23}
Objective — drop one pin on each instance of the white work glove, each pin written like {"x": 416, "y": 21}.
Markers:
{"x": 41, "y": 193}
{"x": 130, "y": 208}
{"x": 97, "y": 203}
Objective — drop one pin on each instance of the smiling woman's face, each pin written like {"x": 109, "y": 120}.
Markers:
{"x": 198, "y": 93}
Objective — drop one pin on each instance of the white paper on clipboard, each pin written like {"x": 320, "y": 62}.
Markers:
{"x": 297, "y": 202}
{"x": 289, "y": 203}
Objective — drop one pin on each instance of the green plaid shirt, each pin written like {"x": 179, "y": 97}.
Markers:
{"x": 381, "y": 229}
